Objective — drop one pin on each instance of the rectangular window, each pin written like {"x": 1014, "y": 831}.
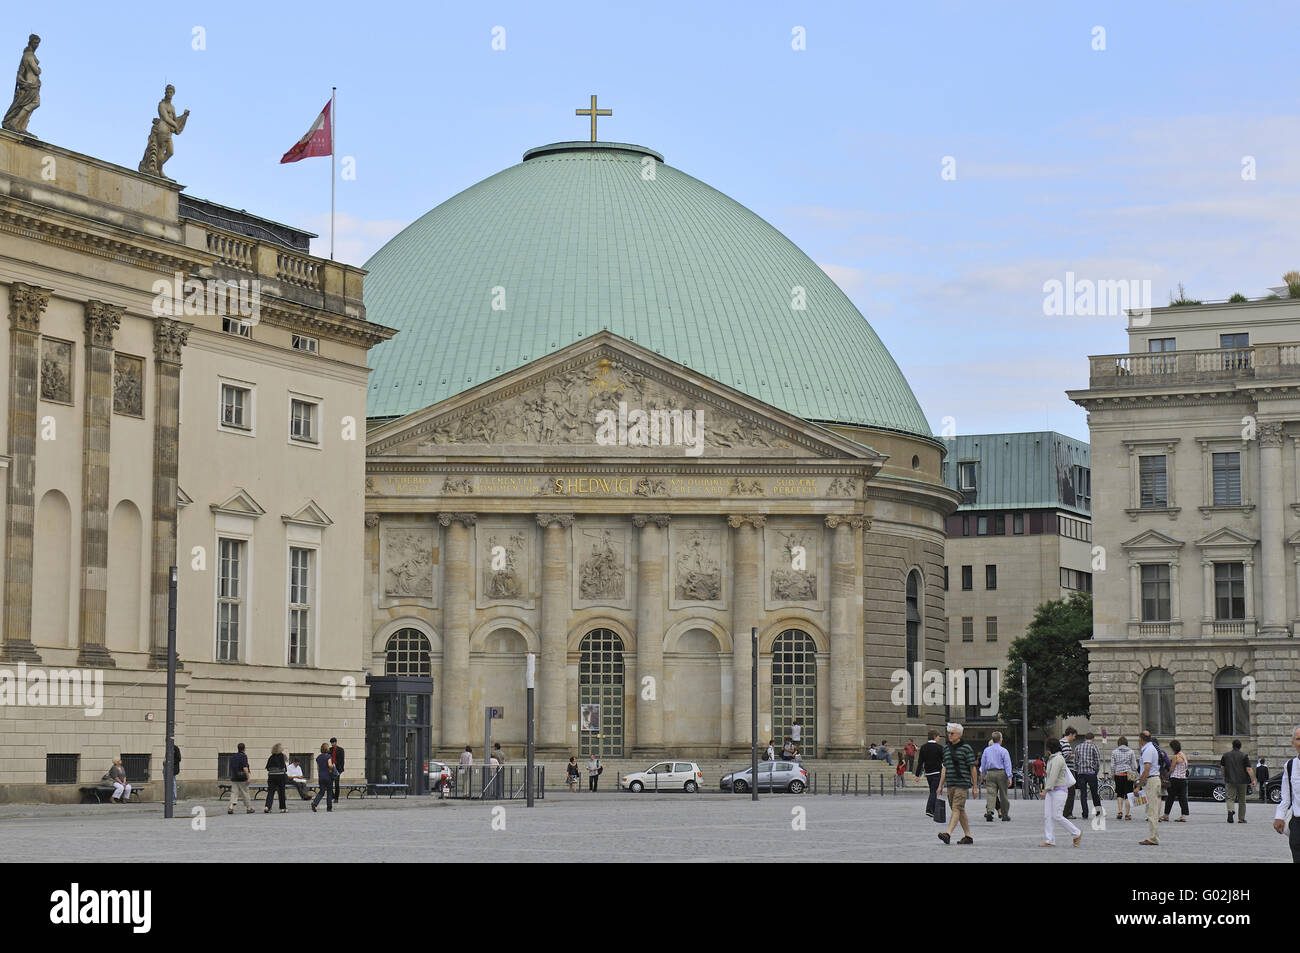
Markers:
{"x": 1155, "y": 593}
{"x": 1229, "y": 591}
{"x": 1018, "y": 524}
{"x": 1082, "y": 486}
{"x": 303, "y": 343}
{"x": 965, "y": 525}
{"x": 1227, "y": 479}
{"x": 1000, "y": 525}
{"x": 236, "y": 407}
{"x": 300, "y": 604}
{"x": 967, "y": 578}
{"x": 945, "y": 578}
{"x": 990, "y": 577}
{"x": 1076, "y": 580}
{"x": 136, "y": 767}
{"x": 61, "y": 768}
{"x": 236, "y": 326}
{"x": 1153, "y": 481}
{"x": 968, "y": 628}
{"x": 230, "y": 598}
{"x": 983, "y": 526}
{"x": 991, "y": 628}
{"x": 302, "y": 421}
{"x": 966, "y": 476}
{"x": 1234, "y": 340}
{"x": 1158, "y": 345}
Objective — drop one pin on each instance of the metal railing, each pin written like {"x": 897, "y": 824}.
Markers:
{"x": 507, "y": 782}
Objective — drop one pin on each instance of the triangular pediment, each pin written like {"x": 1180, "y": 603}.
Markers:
{"x": 1226, "y": 537}
{"x": 608, "y": 398}
{"x": 310, "y": 514}
{"x": 183, "y": 498}
{"x": 1153, "y": 539}
{"x": 240, "y": 504}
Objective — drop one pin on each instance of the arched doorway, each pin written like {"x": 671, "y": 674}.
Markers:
{"x": 600, "y": 694}
{"x": 399, "y": 733}
{"x": 794, "y": 689}
{"x": 497, "y": 679}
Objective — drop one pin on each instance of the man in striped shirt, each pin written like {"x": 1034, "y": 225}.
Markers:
{"x": 1067, "y": 749}
{"x": 1088, "y": 759}
{"x": 961, "y": 775}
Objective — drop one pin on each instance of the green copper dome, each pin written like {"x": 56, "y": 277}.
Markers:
{"x": 585, "y": 236}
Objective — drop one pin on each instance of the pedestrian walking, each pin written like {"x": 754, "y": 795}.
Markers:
{"x": 336, "y": 759}
{"x": 1040, "y": 773}
{"x": 594, "y": 768}
{"x": 571, "y": 774}
{"x": 1058, "y": 782}
{"x": 930, "y": 764}
{"x": 1067, "y": 751}
{"x": 909, "y": 752}
{"x": 1290, "y": 799}
{"x": 1262, "y": 775}
{"x": 117, "y": 777}
{"x": 1087, "y": 762}
{"x": 1177, "y": 781}
{"x": 995, "y": 771}
{"x": 1148, "y": 788}
{"x": 176, "y": 770}
{"x": 277, "y": 775}
{"x": 771, "y": 750}
{"x": 239, "y": 780}
{"x": 1123, "y": 765}
{"x": 961, "y": 775}
{"x": 324, "y": 779}
{"x": 1237, "y": 774}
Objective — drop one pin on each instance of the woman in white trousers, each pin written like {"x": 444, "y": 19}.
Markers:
{"x": 1055, "y": 786}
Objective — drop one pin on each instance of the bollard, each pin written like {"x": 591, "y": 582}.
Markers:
{"x": 855, "y": 785}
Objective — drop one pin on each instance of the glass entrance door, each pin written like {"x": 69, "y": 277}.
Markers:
{"x": 399, "y": 737}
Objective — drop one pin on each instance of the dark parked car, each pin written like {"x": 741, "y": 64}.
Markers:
{"x": 772, "y": 776}
{"x": 1273, "y": 788}
{"x": 1205, "y": 782}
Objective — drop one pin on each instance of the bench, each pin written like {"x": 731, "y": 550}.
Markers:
{"x": 390, "y": 789}
{"x": 102, "y": 792}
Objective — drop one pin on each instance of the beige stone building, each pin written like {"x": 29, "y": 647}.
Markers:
{"x": 1022, "y": 536}
{"x": 187, "y": 386}
{"x": 1195, "y": 437}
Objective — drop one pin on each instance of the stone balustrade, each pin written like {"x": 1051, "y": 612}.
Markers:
{"x": 1172, "y": 368}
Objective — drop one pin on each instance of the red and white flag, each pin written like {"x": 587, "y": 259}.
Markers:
{"x": 319, "y": 140}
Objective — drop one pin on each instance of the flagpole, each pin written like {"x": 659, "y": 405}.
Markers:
{"x": 334, "y": 129}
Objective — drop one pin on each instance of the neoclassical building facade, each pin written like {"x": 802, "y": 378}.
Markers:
{"x": 1195, "y": 439}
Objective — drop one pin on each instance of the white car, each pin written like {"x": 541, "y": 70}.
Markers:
{"x": 665, "y": 776}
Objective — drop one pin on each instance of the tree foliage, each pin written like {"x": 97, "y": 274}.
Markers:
{"x": 1058, "y": 662}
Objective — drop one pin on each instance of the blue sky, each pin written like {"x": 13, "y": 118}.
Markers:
{"x": 1116, "y": 164}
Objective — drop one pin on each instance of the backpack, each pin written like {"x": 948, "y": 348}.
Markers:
{"x": 1164, "y": 763}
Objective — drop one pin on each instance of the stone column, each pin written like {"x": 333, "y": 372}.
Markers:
{"x": 101, "y": 321}
{"x": 846, "y": 723}
{"x": 1207, "y": 591}
{"x": 25, "y": 306}
{"x": 1135, "y": 591}
{"x": 169, "y": 338}
{"x": 552, "y": 683}
{"x": 1271, "y": 530}
{"x": 746, "y": 613}
{"x": 457, "y": 579}
{"x": 650, "y": 633}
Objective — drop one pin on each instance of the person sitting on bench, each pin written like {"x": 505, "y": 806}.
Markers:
{"x": 117, "y": 777}
{"x": 295, "y": 778}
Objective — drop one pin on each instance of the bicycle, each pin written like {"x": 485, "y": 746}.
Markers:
{"x": 1106, "y": 788}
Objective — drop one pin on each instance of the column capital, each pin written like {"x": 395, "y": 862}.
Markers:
{"x": 659, "y": 519}
{"x": 26, "y": 302}
{"x": 168, "y": 338}
{"x": 559, "y": 520}
{"x": 102, "y": 319}
{"x": 836, "y": 520}
{"x": 1270, "y": 434}
{"x": 464, "y": 519}
{"x": 737, "y": 520}
{"x": 372, "y": 520}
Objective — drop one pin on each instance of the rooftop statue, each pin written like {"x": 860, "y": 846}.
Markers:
{"x": 159, "y": 149}
{"x": 27, "y": 89}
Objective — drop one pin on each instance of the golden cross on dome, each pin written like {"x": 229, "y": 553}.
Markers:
{"x": 593, "y": 112}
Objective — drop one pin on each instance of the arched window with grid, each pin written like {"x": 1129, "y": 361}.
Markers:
{"x": 408, "y": 653}
{"x": 600, "y": 694}
{"x": 794, "y": 690}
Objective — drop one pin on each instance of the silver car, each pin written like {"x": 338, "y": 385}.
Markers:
{"x": 772, "y": 776}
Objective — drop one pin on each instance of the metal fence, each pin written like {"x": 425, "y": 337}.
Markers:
{"x": 857, "y": 785}
{"x": 506, "y": 782}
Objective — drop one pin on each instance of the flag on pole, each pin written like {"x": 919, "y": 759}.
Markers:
{"x": 318, "y": 140}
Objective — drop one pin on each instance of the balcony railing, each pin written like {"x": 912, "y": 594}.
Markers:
{"x": 1170, "y": 368}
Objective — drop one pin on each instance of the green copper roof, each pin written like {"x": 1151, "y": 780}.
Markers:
{"x": 1033, "y": 470}
{"x": 581, "y": 239}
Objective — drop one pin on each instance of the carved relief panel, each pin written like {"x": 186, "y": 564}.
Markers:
{"x": 408, "y": 564}
{"x": 602, "y": 564}
{"x": 56, "y": 370}
{"x": 128, "y": 385}
{"x": 507, "y": 563}
{"x": 793, "y": 558}
{"x": 696, "y": 566}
